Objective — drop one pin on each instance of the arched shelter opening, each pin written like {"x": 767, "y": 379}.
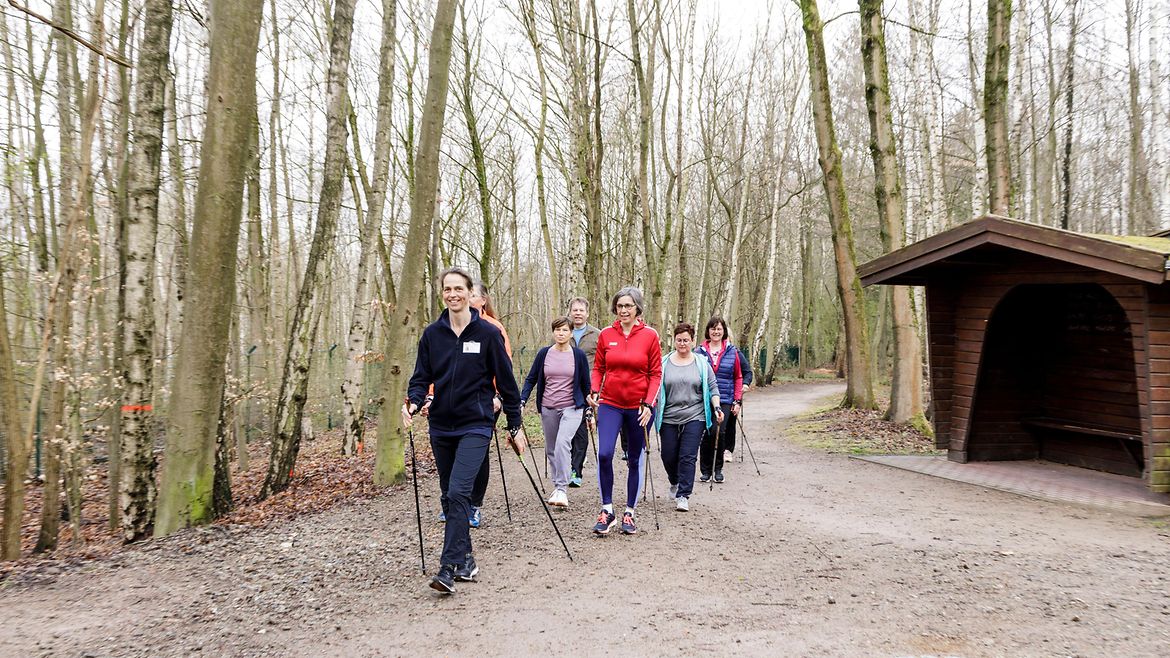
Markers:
{"x": 1057, "y": 381}
{"x": 1044, "y": 343}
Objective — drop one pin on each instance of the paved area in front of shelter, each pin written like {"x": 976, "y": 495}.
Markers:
{"x": 1040, "y": 479}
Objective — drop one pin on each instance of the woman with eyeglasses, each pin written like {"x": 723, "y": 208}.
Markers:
{"x": 627, "y": 371}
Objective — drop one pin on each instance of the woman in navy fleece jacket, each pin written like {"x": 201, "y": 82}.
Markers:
{"x": 461, "y": 355}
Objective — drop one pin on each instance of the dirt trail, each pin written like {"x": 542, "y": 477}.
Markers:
{"x": 821, "y": 556}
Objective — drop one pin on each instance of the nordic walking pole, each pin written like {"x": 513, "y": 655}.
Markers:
{"x": 748, "y": 445}
{"x": 503, "y": 480}
{"x": 650, "y": 475}
{"x": 715, "y": 453}
{"x": 593, "y": 440}
{"x": 417, "y": 508}
{"x": 540, "y": 497}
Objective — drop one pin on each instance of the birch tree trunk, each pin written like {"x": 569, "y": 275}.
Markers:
{"x": 995, "y": 107}
{"x": 737, "y": 225}
{"x": 389, "y": 466}
{"x": 906, "y": 385}
{"x": 122, "y": 205}
{"x": 859, "y": 384}
{"x": 352, "y": 387}
{"x": 290, "y": 401}
{"x": 529, "y": 19}
{"x": 140, "y": 229}
{"x": 185, "y": 493}
{"x": 1069, "y": 87}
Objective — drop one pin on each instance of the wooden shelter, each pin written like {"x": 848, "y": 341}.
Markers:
{"x": 1045, "y": 344}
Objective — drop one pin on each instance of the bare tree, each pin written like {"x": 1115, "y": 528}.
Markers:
{"x": 185, "y": 492}
{"x": 390, "y": 463}
{"x": 290, "y": 401}
{"x": 19, "y": 443}
{"x": 859, "y": 384}
{"x": 353, "y": 401}
{"x": 140, "y": 228}
{"x": 906, "y": 385}
{"x": 995, "y": 106}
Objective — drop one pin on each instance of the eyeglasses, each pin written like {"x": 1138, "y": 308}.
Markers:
{"x": 627, "y": 306}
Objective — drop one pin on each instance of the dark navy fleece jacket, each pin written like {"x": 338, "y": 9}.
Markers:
{"x": 462, "y": 369}
{"x": 536, "y": 378}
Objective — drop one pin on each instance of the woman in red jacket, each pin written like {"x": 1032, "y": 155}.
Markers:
{"x": 627, "y": 371}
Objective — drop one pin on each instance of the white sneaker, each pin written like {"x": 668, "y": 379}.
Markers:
{"x": 681, "y": 504}
{"x": 673, "y": 490}
{"x": 559, "y": 499}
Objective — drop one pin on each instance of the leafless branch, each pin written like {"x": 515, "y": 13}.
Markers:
{"x": 121, "y": 61}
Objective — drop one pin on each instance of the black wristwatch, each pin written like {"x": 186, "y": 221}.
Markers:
{"x": 648, "y": 406}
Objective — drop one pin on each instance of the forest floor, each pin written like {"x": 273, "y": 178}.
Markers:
{"x": 823, "y": 555}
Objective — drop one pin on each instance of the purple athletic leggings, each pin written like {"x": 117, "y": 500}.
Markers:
{"x": 610, "y": 420}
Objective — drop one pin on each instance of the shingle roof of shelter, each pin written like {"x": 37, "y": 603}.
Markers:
{"x": 982, "y": 241}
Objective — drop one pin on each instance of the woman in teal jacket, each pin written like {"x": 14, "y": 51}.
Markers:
{"x": 688, "y": 403}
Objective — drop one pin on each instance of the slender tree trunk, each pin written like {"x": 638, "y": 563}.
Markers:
{"x": 290, "y": 402}
{"x": 19, "y": 442}
{"x": 140, "y": 230}
{"x": 859, "y": 384}
{"x": 478, "y": 159}
{"x": 737, "y": 224}
{"x": 529, "y": 19}
{"x": 389, "y": 467}
{"x": 906, "y": 385}
{"x": 185, "y": 494}
{"x": 1139, "y": 201}
{"x": 74, "y": 177}
{"x": 122, "y": 203}
{"x": 995, "y": 106}
{"x": 1069, "y": 88}
{"x": 352, "y": 387}
{"x": 644, "y": 78}
{"x": 597, "y": 159}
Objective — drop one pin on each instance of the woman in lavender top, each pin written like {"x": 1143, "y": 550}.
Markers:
{"x": 560, "y": 375}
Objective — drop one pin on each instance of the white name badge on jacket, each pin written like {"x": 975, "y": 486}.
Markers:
{"x": 471, "y": 347}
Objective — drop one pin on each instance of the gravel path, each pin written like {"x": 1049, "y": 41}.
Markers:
{"x": 822, "y": 556}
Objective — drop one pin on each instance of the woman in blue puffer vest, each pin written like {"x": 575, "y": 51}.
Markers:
{"x": 734, "y": 375}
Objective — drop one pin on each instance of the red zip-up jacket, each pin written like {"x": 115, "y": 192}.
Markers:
{"x": 627, "y": 370}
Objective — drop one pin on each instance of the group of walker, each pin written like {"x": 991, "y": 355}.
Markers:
{"x": 615, "y": 379}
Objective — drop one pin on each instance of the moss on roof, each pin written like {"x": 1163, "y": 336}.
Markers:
{"x": 1145, "y": 243}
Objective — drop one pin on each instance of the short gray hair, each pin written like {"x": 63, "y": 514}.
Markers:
{"x": 634, "y": 293}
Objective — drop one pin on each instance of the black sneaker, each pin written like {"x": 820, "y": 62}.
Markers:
{"x": 718, "y": 476}
{"x": 628, "y": 527}
{"x": 444, "y": 581}
{"x": 605, "y": 522}
{"x": 704, "y": 477}
{"x": 466, "y": 572}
